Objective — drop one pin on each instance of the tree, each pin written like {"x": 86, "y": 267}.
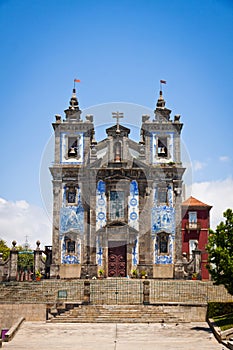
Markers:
{"x": 4, "y": 249}
{"x": 220, "y": 249}
{"x": 25, "y": 259}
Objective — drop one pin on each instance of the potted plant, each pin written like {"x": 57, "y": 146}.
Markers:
{"x": 134, "y": 273}
{"x": 194, "y": 276}
{"x": 38, "y": 275}
{"x": 101, "y": 273}
{"x": 143, "y": 274}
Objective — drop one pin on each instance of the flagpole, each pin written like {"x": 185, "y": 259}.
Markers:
{"x": 162, "y": 82}
{"x": 76, "y": 81}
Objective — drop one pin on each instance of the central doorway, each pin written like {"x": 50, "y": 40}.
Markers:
{"x": 117, "y": 259}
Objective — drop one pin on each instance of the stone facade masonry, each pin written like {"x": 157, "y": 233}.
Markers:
{"x": 117, "y": 202}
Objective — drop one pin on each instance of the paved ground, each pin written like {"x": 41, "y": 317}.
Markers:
{"x": 48, "y": 336}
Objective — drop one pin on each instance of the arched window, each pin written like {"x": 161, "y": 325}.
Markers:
{"x": 69, "y": 245}
{"x": 163, "y": 239}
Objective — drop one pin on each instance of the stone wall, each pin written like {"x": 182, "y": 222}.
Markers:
{"x": 10, "y": 313}
{"x": 128, "y": 291}
{"x": 187, "y": 299}
{"x": 187, "y": 313}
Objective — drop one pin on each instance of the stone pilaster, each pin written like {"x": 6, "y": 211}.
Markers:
{"x": 178, "y": 261}
{"x": 13, "y": 262}
{"x": 146, "y": 292}
{"x": 197, "y": 261}
{"x": 38, "y": 261}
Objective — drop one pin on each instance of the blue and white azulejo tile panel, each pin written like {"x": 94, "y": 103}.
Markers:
{"x": 135, "y": 253}
{"x": 133, "y": 206}
{"x": 163, "y": 219}
{"x": 99, "y": 252}
{"x": 101, "y": 205}
{"x": 68, "y": 258}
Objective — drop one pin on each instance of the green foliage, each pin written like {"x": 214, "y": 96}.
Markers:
{"x": 217, "y": 309}
{"x": 224, "y": 322}
{"x": 135, "y": 272}
{"x": 25, "y": 260}
{"x": 4, "y": 249}
{"x": 220, "y": 249}
{"x": 101, "y": 272}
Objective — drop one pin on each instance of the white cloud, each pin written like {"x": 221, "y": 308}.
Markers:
{"x": 197, "y": 165}
{"x": 224, "y": 159}
{"x": 20, "y": 219}
{"x": 218, "y": 193}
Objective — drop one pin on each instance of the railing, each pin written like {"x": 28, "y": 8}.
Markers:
{"x": 113, "y": 291}
{"x": 193, "y": 226}
{"x": 116, "y": 291}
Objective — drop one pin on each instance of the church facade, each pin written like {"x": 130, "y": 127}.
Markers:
{"x": 117, "y": 202}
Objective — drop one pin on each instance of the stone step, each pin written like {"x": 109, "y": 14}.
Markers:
{"x": 116, "y": 314}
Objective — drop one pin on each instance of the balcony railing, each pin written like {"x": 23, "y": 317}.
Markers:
{"x": 193, "y": 226}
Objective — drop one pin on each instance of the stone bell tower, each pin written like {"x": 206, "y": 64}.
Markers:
{"x": 73, "y": 138}
{"x": 161, "y": 141}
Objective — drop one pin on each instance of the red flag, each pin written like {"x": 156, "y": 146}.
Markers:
{"x": 163, "y": 82}
{"x": 77, "y": 80}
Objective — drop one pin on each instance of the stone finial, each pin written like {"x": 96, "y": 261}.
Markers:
{"x": 161, "y": 103}
{"x": 89, "y": 118}
{"x": 177, "y": 118}
{"x": 38, "y": 245}
{"x": 145, "y": 118}
{"x": 14, "y": 245}
{"x": 73, "y": 112}
{"x": 58, "y": 118}
{"x": 74, "y": 101}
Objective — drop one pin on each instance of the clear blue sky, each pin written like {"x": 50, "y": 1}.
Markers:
{"x": 120, "y": 50}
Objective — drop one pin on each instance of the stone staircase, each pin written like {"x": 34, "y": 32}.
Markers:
{"x": 117, "y": 314}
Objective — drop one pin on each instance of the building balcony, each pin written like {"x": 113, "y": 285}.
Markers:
{"x": 193, "y": 226}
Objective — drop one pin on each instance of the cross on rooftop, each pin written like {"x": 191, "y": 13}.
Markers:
{"x": 117, "y": 115}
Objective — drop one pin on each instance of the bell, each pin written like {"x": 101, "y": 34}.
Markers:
{"x": 162, "y": 150}
{"x": 72, "y": 152}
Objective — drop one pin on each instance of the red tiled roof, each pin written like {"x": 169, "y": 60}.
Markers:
{"x": 193, "y": 202}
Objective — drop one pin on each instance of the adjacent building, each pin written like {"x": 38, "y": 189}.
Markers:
{"x": 195, "y": 230}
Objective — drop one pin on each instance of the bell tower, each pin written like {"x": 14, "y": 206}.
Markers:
{"x": 73, "y": 140}
{"x": 161, "y": 141}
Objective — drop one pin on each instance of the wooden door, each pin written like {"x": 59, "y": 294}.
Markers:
{"x": 117, "y": 260}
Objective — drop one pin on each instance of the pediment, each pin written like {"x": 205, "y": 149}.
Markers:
{"x": 118, "y": 228}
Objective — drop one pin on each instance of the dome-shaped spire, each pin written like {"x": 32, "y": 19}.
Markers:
{"x": 73, "y": 112}
{"x": 74, "y": 100}
{"x": 160, "y": 103}
{"x": 161, "y": 112}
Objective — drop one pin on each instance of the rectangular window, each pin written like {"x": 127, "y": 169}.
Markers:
{"x": 70, "y": 247}
{"x": 193, "y": 220}
{"x": 71, "y": 195}
{"x": 163, "y": 243}
{"x": 117, "y": 205}
{"x": 192, "y": 217}
{"x": 162, "y": 195}
{"x": 192, "y": 246}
